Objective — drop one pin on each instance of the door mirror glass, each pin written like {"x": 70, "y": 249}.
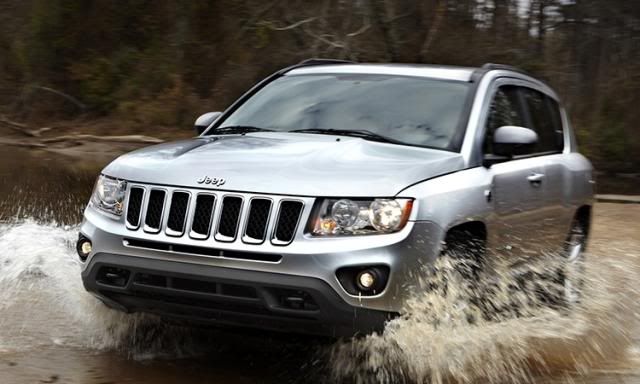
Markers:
{"x": 204, "y": 121}
{"x": 510, "y": 141}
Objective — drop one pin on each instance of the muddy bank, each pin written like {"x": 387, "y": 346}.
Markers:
{"x": 83, "y": 143}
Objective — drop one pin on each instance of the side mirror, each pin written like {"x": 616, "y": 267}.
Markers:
{"x": 204, "y": 121}
{"x": 509, "y": 141}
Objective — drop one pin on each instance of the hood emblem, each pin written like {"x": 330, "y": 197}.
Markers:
{"x": 215, "y": 181}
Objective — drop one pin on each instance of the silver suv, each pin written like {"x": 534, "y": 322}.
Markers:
{"x": 312, "y": 203}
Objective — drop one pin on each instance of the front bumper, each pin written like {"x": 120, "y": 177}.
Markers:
{"x": 227, "y": 296}
{"x": 309, "y": 267}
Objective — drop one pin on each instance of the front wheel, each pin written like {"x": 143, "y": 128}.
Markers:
{"x": 573, "y": 270}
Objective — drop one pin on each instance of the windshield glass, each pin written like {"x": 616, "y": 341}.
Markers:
{"x": 415, "y": 111}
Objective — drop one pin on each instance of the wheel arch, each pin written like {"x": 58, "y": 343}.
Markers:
{"x": 467, "y": 241}
{"x": 475, "y": 228}
{"x": 468, "y": 234}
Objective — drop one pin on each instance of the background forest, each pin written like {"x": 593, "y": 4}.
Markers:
{"x": 151, "y": 65}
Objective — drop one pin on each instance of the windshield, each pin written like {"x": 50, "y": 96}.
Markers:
{"x": 415, "y": 111}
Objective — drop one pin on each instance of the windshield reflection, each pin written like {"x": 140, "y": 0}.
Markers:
{"x": 417, "y": 111}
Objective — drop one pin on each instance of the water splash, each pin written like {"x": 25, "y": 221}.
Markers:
{"x": 40, "y": 284}
{"x": 505, "y": 330}
{"x": 447, "y": 333}
{"x": 43, "y": 303}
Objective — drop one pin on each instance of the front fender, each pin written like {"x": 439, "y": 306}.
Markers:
{"x": 454, "y": 198}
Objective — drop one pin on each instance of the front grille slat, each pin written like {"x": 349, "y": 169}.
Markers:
{"x": 202, "y": 215}
{"x": 212, "y": 216}
{"x": 287, "y": 221}
{"x": 229, "y": 218}
{"x": 134, "y": 209}
{"x": 177, "y": 213}
{"x": 155, "y": 209}
{"x": 257, "y": 220}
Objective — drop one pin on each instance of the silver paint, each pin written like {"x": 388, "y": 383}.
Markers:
{"x": 449, "y": 189}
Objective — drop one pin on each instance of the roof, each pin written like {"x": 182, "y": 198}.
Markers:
{"x": 429, "y": 71}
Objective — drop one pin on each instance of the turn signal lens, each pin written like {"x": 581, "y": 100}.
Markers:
{"x": 328, "y": 226}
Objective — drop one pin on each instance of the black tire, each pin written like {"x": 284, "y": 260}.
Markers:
{"x": 466, "y": 253}
{"x": 572, "y": 273}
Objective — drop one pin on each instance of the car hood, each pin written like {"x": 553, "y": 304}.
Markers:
{"x": 286, "y": 163}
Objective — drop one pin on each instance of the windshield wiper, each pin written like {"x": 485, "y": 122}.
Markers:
{"x": 361, "y": 133}
{"x": 238, "y": 129}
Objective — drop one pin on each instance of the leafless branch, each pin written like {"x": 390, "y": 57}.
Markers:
{"x": 20, "y": 143}
{"x": 70, "y": 98}
{"x": 5, "y": 120}
{"x": 23, "y": 128}
{"x": 360, "y": 31}
{"x": 117, "y": 139}
{"x": 398, "y": 17}
{"x": 288, "y": 27}
{"x": 253, "y": 21}
{"x": 324, "y": 39}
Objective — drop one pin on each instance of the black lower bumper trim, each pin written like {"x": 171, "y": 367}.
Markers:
{"x": 225, "y": 296}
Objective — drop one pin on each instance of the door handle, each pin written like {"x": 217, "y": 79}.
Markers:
{"x": 535, "y": 178}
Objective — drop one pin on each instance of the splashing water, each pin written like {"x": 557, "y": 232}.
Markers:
{"x": 39, "y": 280}
{"x": 43, "y": 303}
{"x": 448, "y": 335}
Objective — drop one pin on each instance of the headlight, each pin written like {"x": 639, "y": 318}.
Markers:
{"x": 108, "y": 195}
{"x": 361, "y": 217}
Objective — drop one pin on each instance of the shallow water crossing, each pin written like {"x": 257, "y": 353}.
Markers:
{"x": 51, "y": 330}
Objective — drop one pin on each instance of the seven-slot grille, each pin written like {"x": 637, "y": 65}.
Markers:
{"x": 204, "y": 215}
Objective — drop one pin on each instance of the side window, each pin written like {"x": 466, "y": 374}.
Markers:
{"x": 543, "y": 120}
{"x": 504, "y": 110}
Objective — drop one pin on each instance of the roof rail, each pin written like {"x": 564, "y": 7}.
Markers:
{"x": 320, "y": 61}
{"x": 492, "y": 66}
{"x": 315, "y": 61}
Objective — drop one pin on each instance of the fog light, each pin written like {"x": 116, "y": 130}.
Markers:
{"x": 84, "y": 248}
{"x": 366, "y": 279}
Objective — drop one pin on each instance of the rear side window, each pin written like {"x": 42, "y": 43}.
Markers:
{"x": 545, "y": 120}
{"x": 504, "y": 110}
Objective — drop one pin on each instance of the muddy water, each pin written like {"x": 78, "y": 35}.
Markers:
{"x": 52, "y": 331}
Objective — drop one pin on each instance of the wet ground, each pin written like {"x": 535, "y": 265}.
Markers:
{"x": 52, "y": 331}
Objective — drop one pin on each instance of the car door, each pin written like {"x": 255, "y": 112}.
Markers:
{"x": 516, "y": 188}
{"x": 545, "y": 118}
